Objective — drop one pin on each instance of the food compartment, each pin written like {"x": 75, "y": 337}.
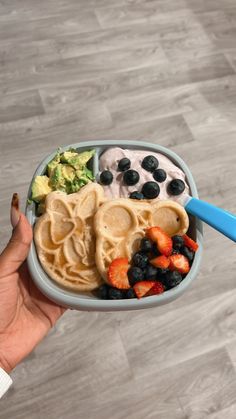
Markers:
{"x": 35, "y": 209}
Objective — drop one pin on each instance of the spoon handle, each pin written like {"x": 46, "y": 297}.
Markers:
{"x": 217, "y": 218}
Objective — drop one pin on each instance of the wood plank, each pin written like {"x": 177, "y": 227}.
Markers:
{"x": 168, "y": 131}
{"x": 26, "y": 9}
{"x": 231, "y": 349}
{"x": 112, "y": 39}
{"x": 86, "y": 67}
{"x": 150, "y": 12}
{"x": 46, "y": 127}
{"x": 211, "y": 5}
{"x": 229, "y": 413}
{"x": 171, "y": 101}
{"x": 206, "y": 405}
{"x": 20, "y": 106}
{"x": 142, "y": 80}
{"x": 231, "y": 55}
{"x": 186, "y": 380}
{"x": 22, "y": 54}
{"x": 220, "y": 26}
{"x": 213, "y": 320}
{"x": 48, "y": 27}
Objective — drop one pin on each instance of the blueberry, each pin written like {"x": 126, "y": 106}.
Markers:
{"x": 135, "y": 274}
{"x": 176, "y": 187}
{"x": 115, "y": 294}
{"x": 159, "y": 175}
{"x": 172, "y": 279}
{"x": 130, "y": 293}
{"x": 178, "y": 242}
{"x": 150, "y": 163}
{"x": 131, "y": 177}
{"x": 145, "y": 245}
{"x": 106, "y": 177}
{"x": 136, "y": 195}
{"x": 150, "y": 272}
{"x": 102, "y": 291}
{"x": 161, "y": 274}
{"x": 175, "y": 251}
{"x": 187, "y": 252}
{"x": 150, "y": 190}
{"x": 140, "y": 260}
{"x": 155, "y": 250}
{"x": 124, "y": 164}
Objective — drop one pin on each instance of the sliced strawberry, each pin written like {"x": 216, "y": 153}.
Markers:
{"x": 179, "y": 263}
{"x": 117, "y": 273}
{"x": 160, "y": 262}
{"x": 141, "y": 288}
{"x": 164, "y": 242}
{"x": 158, "y": 288}
{"x": 190, "y": 243}
{"x": 152, "y": 233}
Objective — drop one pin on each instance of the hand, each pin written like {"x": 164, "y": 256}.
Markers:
{"x": 25, "y": 314}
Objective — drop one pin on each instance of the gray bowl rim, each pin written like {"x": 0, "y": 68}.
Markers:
{"x": 73, "y": 300}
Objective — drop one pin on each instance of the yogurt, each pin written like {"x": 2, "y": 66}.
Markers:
{"x": 117, "y": 189}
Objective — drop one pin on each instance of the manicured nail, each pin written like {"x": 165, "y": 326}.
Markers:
{"x": 15, "y": 213}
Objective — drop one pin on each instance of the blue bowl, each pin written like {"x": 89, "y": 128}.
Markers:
{"x": 88, "y": 301}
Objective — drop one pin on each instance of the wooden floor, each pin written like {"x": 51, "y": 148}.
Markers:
{"x": 156, "y": 70}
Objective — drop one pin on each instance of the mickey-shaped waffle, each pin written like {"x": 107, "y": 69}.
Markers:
{"x": 121, "y": 223}
{"x": 65, "y": 238}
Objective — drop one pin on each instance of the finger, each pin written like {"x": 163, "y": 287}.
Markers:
{"x": 15, "y": 213}
{"x": 17, "y": 249}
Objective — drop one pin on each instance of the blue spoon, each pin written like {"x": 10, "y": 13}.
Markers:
{"x": 221, "y": 220}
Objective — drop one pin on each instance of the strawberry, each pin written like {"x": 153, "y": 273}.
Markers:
{"x": 117, "y": 273}
{"x": 141, "y": 288}
{"x": 164, "y": 242}
{"x": 160, "y": 262}
{"x": 158, "y": 288}
{"x": 190, "y": 243}
{"x": 152, "y": 233}
{"x": 179, "y": 263}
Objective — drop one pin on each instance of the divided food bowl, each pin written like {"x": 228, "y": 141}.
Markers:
{"x": 88, "y": 301}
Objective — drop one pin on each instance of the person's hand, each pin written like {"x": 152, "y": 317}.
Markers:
{"x": 25, "y": 314}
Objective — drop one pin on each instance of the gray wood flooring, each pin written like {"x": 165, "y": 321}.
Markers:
{"x": 157, "y": 70}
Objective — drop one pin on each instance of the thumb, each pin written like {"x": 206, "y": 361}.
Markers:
{"x": 18, "y": 247}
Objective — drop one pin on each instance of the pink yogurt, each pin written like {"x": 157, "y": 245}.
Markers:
{"x": 109, "y": 161}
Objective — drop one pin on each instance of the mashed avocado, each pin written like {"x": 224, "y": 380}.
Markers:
{"x": 66, "y": 172}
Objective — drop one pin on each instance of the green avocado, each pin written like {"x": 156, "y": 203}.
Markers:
{"x": 85, "y": 174}
{"x": 67, "y": 172}
{"x": 40, "y": 188}
{"x": 78, "y": 161}
{"x": 74, "y": 186}
{"x": 53, "y": 163}
{"x": 57, "y": 179}
{"x": 68, "y": 155}
{"x": 88, "y": 173}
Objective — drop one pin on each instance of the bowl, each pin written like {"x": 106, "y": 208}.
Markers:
{"x": 88, "y": 301}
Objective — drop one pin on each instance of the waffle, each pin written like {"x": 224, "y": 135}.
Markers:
{"x": 121, "y": 223}
{"x": 65, "y": 239}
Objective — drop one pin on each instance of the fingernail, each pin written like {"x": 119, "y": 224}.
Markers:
{"x": 15, "y": 213}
